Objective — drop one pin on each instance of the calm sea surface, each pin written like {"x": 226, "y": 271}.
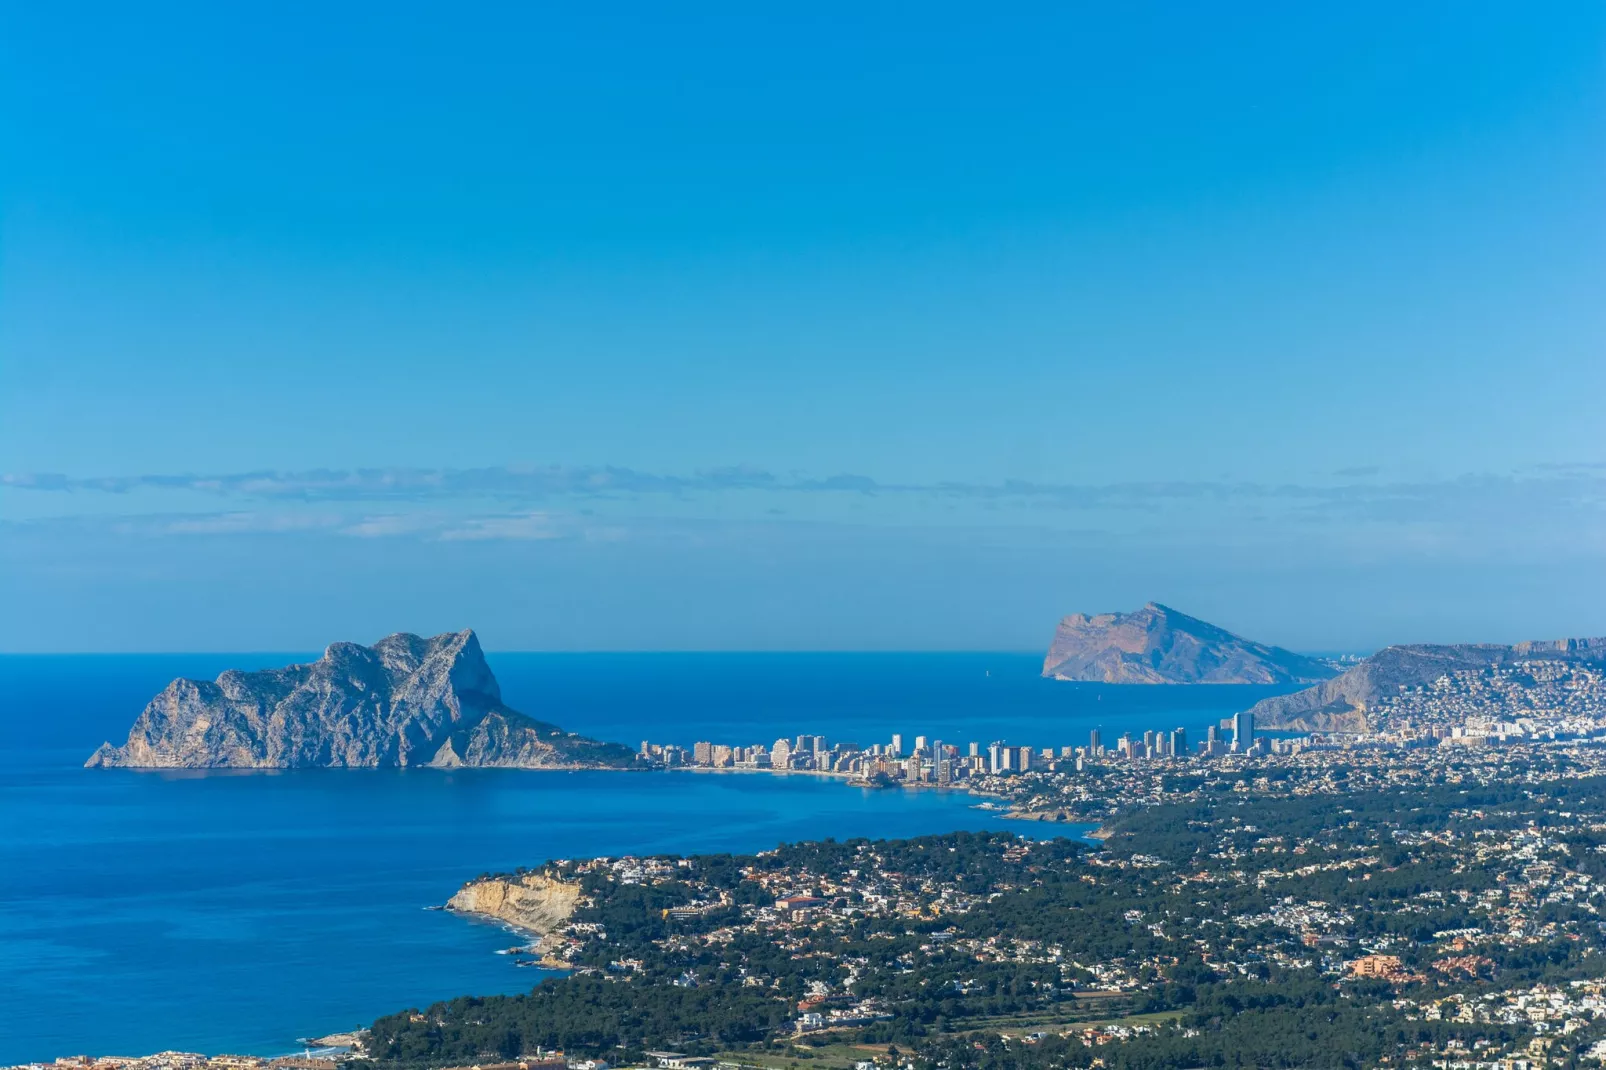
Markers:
{"x": 236, "y": 912}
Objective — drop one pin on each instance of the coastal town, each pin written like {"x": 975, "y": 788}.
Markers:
{"x": 1430, "y": 893}
{"x": 929, "y": 760}
{"x": 1467, "y": 725}
{"x": 1457, "y": 897}
{"x": 1441, "y": 873}
{"x": 847, "y": 536}
{"x": 1435, "y": 886}
{"x": 1535, "y": 701}
{"x": 1460, "y": 908}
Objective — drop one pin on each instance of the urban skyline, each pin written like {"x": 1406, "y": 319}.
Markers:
{"x": 934, "y": 761}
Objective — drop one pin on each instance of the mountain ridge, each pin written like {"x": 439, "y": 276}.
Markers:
{"x": 1160, "y": 645}
{"x": 406, "y": 701}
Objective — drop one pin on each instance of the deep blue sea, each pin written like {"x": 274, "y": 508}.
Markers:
{"x": 236, "y": 912}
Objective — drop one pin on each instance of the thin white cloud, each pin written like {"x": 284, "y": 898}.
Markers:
{"x": 241, "y": 523}
{"x": 1574, "y": 485}
{"x": 1560, "y": 510}
{"x": 524, "y": 527}
{"x": 391, "y": 525}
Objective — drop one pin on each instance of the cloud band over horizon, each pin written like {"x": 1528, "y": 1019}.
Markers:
{"x": 562, "y": 557}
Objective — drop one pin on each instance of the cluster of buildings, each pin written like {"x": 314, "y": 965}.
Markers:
{"x": 801, "y": 904}
{"x": 1530, "y": 700}
{"x": 188, "y": 1060}
{"x": 1450, "y": 974}
{"x": 932, "y": 761}
{"x": 1543, "y": 895}
{"x": 1546, "y": 1009}
{"x": 1293, "y": 767}
{"x": 540, "y": 1060}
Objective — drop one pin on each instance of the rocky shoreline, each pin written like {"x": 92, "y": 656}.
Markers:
{"x": 531, "y": 904}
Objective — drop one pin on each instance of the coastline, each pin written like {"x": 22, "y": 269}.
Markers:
{"x": 1009, "y": 813}
{"x": 1056, "y": 817}
{"x": 535, "y": 939}
{"x": 850, "y": 779}
{"x": 427, "y": 767}
{"x": 826, "y": 774}
{"x": 538, "y": 969}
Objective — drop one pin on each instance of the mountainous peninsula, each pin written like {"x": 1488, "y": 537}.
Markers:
{"x": 405, "y": 701}
{"x": 1342, "y": 704}
{"x": 1158, "y": 645}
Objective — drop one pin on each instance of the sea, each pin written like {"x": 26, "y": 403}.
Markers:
{"x": 242, "y": 911}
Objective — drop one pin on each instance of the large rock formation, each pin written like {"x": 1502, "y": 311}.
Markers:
{"x": 1158, "y": 645}
{"x": 530, "y": 901}
{"x": 1341, "y": 704}
{"x": 405, "y": 701}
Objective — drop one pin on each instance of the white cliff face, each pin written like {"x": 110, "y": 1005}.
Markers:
{"x": 404, "y": 701}
{"x": 532, "y": 901}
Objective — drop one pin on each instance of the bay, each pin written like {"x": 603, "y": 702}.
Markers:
{"x": 225, "y": 911}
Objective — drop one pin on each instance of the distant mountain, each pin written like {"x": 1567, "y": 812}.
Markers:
{"x": 405, "y": 701}
{"x": 1158, "y": 645}
{"x": 1341, "y": 704}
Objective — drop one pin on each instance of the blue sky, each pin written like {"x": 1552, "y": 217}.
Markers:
{"x": 825, "y": 327}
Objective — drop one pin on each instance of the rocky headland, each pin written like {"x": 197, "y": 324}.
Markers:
{"x": 532, "y": 902}
{"x": 405, "y": 701}
{"x": 1158, "y": 645}
{"x": 1342, "y": 704}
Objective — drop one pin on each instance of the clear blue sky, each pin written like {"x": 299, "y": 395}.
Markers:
{"x": 808, "y": 326}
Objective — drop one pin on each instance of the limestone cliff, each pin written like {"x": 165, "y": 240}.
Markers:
{"x": 1158, "y": 645}
{"x": 529, "y": 901}
{"x": 405, "y": 701}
